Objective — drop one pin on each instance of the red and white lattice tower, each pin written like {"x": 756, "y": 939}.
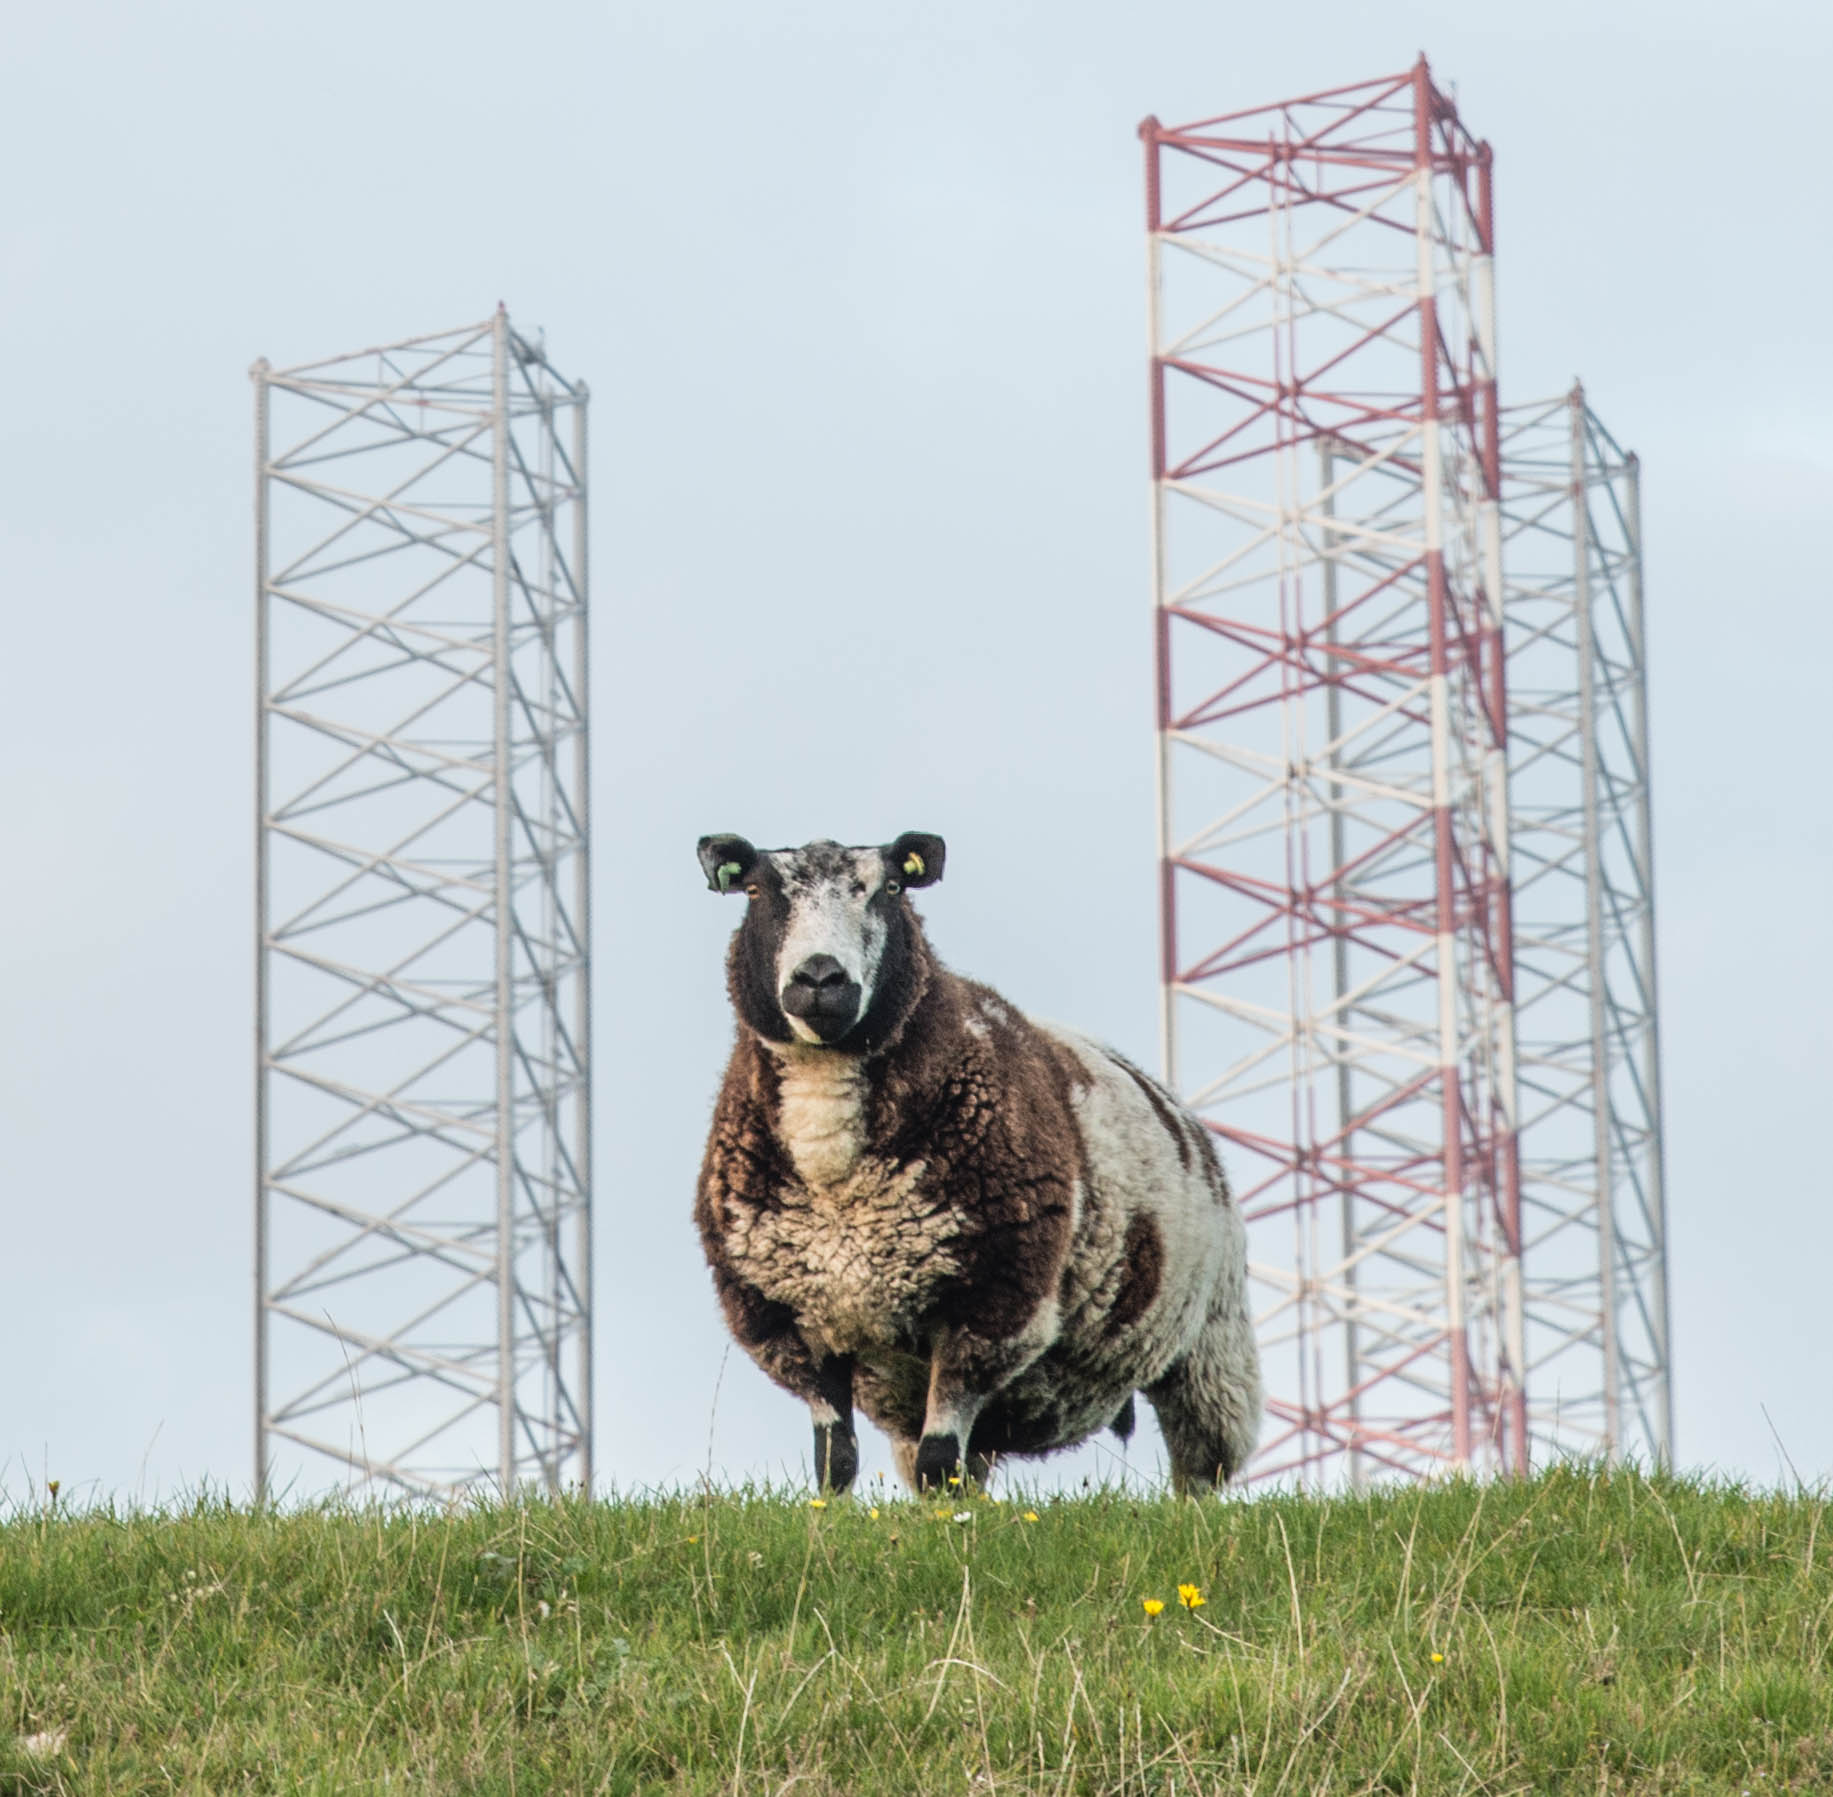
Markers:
{"x": 1333, "y": 792}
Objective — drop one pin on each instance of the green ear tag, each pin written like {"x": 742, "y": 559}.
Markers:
{"x": 728, "y": 872}
{"x": 913, "y": 865}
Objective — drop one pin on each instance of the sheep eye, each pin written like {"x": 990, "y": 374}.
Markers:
{"x": 893, "y": 886}
{"x": 750, "y": 892}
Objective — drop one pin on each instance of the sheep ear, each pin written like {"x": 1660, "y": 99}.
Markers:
{"x": 916, "y": 859}
{"x": 726, "y": 861}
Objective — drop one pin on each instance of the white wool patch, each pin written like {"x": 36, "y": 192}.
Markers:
{"x": 821, "y": 1117}
{"x": 1199, "y": 1317}
{"x": 1135, "y": 1163}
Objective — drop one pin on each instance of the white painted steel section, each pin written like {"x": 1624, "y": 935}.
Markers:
{"x": 1592, "y": 856}
{"x": 1661, "y": 1433}
{"x": 503, "y": 801}
{"x": 579, "y": 584}
{"x": 1162, "y": 742}
{"x": 258, "y": 374}
{"x": 1495, "y": 781}
{"x": 1431, "y": 480}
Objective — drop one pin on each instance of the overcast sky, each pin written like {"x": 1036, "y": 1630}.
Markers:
{"x": 858, "y": 291}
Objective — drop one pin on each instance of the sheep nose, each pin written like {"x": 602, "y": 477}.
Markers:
{"x": 818, "y": 971}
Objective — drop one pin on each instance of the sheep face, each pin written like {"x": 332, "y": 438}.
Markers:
{"x": 822, "y": 949}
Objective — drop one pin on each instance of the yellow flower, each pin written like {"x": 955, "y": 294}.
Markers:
{"x": 1438, "y": 1659}
{"x": 1030, "y": 1516}
{"x": 692, "y": 1539}
{"x": 817, "y": 1503}
{"x": 1190, "y": 1597}
{"x": 1152, "y": 1605}
{"x": 873, "y": 1513}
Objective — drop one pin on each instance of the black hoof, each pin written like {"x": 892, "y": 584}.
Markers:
{"x": 938, "y": 1462}
{"x": 836, "y": 1456}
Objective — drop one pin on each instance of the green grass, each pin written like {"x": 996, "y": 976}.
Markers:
{"x": 1599, "y": 1632}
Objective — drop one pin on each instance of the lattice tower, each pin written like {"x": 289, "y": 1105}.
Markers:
{"x": 1333, "y": 799}
{"x": 423, "y": 1034}
{"x": 1594, "y": 1231}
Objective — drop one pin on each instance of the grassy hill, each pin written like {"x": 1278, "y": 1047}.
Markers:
{"x": 1578, "y": 1632}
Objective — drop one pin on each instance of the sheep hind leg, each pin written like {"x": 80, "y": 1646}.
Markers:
{"x": 1208, "y": 1406}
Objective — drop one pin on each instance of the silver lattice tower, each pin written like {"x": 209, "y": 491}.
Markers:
{"x": 423, "y": 1216}
{"x": 1594, "y": 1249}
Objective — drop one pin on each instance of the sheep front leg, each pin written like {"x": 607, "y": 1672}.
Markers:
{"x": 836, "y": 1445}
{"x": 966, "y": 1369}
{"x": 767, "y": 1331}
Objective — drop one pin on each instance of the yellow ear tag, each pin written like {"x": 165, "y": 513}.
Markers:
{"x": 913, "y": 865}
{"x": 728, "y": 872}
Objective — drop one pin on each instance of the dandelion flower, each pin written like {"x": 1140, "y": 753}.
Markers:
{"x": 1438, "y": 1659}
{"x": 873, "y": 1513}
{"x": 1190, "y": 1597}
{"x": 1030, "y": 1516}
{"x": 1152, "y": 1605}
{"x": 817, "y": 1503}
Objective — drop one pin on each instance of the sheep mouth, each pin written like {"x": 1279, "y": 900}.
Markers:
{"x": 827, "y": 1012}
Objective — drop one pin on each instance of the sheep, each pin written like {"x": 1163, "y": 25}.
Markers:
{"x": 986, "y": 1232}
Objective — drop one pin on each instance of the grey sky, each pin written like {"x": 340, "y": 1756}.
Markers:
{"x": 859, "y": 294}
